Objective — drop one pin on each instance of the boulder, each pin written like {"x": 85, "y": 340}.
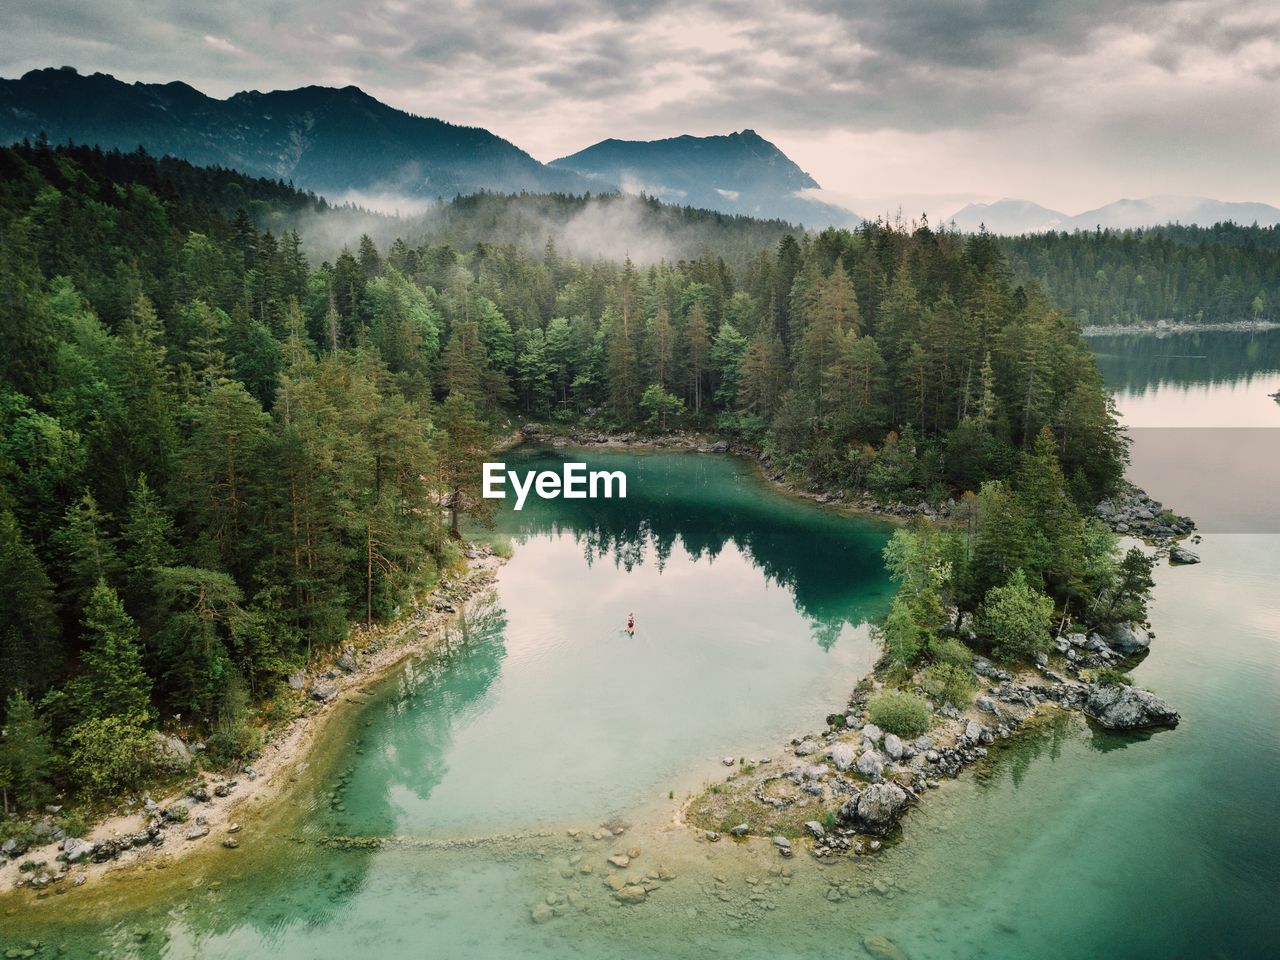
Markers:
{"x": 872, "y": 732}
{"x": 893, "y": 746}
{"x": 806, "y": 748}
{"x": 871, "y": 765}
{"x": 1125, "y": 639}
{"x": 881, "y": 804}
{"x": 172, "y": 751}
{"x": 815, "y": 829}
{"x": 77, "y": 849}
{"x": 347, "y": 663}
{"x": 741, "y": 830}
{"x": 842, "y": 755}
{"x": 986, "y": 705}
{"x": 973, "y": 731}
{"x": 1124, "y": 707}
{"x": 923, "y": 743}
{"x": 195, "y": 833}
{"x": 297, "y": 680}
{"x": 323, "y": 692}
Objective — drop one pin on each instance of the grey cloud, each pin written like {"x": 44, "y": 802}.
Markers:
{"x": 555, "y": 75}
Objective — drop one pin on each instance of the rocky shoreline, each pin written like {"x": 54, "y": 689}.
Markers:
{"x": 845, "y": 789}
{"x": 1163, "y": 327}
{"x": 212, "y": 803}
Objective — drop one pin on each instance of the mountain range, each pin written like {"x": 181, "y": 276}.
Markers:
{"x": 1010, "y": 216}
{"x": 346, "y": 145}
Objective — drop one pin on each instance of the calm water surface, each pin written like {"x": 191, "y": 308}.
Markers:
{"x": 752, "y": 612}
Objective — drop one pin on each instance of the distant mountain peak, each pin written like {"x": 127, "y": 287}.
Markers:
{"x": 739, "y": 172}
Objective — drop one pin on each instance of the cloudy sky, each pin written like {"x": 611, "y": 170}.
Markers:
{"x": 923, "y": 103}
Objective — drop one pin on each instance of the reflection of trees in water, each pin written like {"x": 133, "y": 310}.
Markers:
{"x": 1136, "y": 362}
{"x": 1047, "y": 734}
{"x": 819, "y": 558}
{"x": 415, "y": 726}
{"x": 289, "y": 885}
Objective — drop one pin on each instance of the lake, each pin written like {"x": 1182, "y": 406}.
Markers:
{"x": 752, "y": 613}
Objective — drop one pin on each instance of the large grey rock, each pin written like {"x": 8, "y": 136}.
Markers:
{"x": 871, "y": 765}
{"x": 347, "y": 663}
{"x": 323, "y": 692}
{"x": 77, "y": 849}
{"x": 1127, "y": 640}
{"x": 806, "y": 748}
{"x": 973, "y": 731}
{"x": 893, "y": 746}
{"x": 1180, "y": 554}
{"x": 1123, "y": 707}
{"x": 842, "y": 755}
{"x": 881, "y": 804}
{"x": 872, "y": 732}
{"x": 173, "y": 753}
{"x": 297, "y": 680}
{"x": 815, "y": 829}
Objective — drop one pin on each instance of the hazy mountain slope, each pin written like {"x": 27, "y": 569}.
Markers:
{"x": 324, "y": 139}
{"x": 1007, "y": 216}
{"x": 740, "y": 173}
{"x": 1156, "y": 211}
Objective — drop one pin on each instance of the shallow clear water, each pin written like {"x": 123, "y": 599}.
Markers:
{"x": 1078, "y": 844}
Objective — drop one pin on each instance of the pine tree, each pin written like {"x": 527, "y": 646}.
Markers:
{"x": 463, "y": 449}
{"x": 698, "y": 346}
{"x": 26, "y": 756}
{"x": 113, "y": 682}
{"x": 87, "y": 550}
{"x": 28, "y": 619}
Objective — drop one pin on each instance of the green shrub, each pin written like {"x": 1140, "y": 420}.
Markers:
{"x": 501, "y": 547}
{"x": 949, "y": 650}
{"x": 74, "y": 825}
{"x": 1110, "y": 677}
{"x": 110, "y": 754}
{"x": 899, "y": 712}
{"x": 948, "y": 683}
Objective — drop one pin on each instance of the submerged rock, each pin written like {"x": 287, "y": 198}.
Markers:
{"x": 633, "y": 893}
{"x": 882, "y": 948}
{"x": 1128, "y": 708}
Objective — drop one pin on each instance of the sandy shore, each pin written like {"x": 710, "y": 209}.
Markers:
{"x": 282, "y": 758}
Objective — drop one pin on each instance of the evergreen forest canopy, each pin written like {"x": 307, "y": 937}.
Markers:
{"x": 215, "y": 455}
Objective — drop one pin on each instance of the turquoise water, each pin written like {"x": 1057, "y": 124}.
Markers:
{"x": 751, "y": 610}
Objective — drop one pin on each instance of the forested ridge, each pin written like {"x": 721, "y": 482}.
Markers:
{"x": 1182, "y": 274}
{"x": 216, "y": 455}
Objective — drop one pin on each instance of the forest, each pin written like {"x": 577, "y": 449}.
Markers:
{"x": 216, "y": 455}
{"x": 1182, "y": 274}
